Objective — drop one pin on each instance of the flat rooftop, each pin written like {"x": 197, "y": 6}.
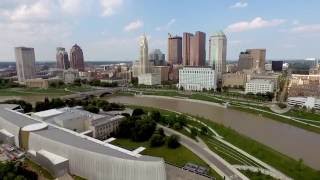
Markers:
{"x": 71, "y": 138}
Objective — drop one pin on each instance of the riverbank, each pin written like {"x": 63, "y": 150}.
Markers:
{"x": 304, "y": 120}
{"x": 293, "y": 168}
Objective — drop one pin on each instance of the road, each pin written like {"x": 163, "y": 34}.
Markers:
{"x": 218, "y": 164}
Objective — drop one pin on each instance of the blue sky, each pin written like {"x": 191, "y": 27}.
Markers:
{"x": 109, "y": 29}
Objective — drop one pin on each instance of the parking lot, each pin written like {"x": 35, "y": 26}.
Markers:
{"x": 10, "y": 152}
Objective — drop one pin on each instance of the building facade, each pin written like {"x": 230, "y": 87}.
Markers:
{"x": 25, "y": 63}
{"x": 259, "y": 86}
{"x": 149, "y": 79}
{"x": 144, "y": 59}
{"x": 62, "y": 58}
{"x": 197, "y": 79}
{"x": 277, "y": 66}
{"x": 157, "y": 58}
{"x": 252, "y": 59}
{"x": 218, "y": 52}
{"x": 163, "y": 71}
{"x": 186, "y": 48}
{"x": 308, "y": 102}
{"x": 234, "y": 80}
{"x": 76, "y": 58}
{"x": 198, "y": 49}
{"x": 61, "y": 150}
{"x": 174, "y": 50}
{"x": 304, "y": 85}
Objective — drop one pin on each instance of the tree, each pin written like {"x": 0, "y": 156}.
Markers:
{"x": 173, "y": 141}
{"x": 156, "y": 116}
{"x": 91, "y": 108}
{"x": 161, "y": 132}
{"x": 194, "y": 132}
{"x": 143, "y": 129}
{"x": 137, "y": 112}
{"x": 182, "y": 119}
{"x": 177, "y": 126}
{"x": 204, "y": 130}
{"x": 77, "y": 82}
{"x": 157, "y": 140}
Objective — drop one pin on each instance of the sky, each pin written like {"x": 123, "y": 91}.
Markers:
{"x": 110, "y": 29}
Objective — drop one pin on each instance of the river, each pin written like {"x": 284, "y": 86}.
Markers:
{"x": 292, "y": 141}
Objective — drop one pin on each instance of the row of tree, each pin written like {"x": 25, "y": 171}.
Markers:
{"x": 141, "y": 126}
{"x": 95, "y": 82}
{"x": 8, "y": 83}
{"x": 92, "y": 105}
{"x": 10, "y": 170}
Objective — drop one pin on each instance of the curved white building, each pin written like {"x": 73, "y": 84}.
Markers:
{"x": 60, "y": 150}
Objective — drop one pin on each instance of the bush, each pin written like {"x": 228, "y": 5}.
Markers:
{"x": 194, "y": 132}
{"x": 173, "y": 141}
{"x": 157, "y": 140}
{"x": 204, "y": 130}
{"x": 143, "y": 129}
{"x": 161, "y": 132}
{"x": 282, "y": 105}
{"x": 137, "y": 112}
{"x": 177, "y": 126}
{"x": 91, "y": 108}
{"x": 156, "y": 116}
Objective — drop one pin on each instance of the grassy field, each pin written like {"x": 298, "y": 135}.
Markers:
{"x": 304, "y": 115}
{"x": 291, "y": 167}
{"x": 257, "y": 175}
{"x": 178, "y": 157}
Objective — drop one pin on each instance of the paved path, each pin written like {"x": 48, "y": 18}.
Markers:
{"x": 222, "y": 167}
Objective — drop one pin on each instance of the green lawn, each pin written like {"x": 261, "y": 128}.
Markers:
{"x": 32, "y": 92}
{"x": 257, "y": 175}
{"x": 178, "y": 157}
{"x": 304, "y": 114}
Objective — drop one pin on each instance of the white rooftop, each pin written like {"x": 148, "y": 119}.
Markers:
{"x": 35, "y": 127}
{"x": 47, "y": 113}
{"x": 55, "y": 159}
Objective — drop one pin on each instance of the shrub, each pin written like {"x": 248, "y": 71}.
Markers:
{"x": 173, "y": 141}
{"x": 137, "y": 112}
{"x": 177, "y": 126}
{"x": 194, "y": 132}
{"x": 282, "y": 105}
{"x": 204, "y": 130}
{"x": 157, "y": 140}
{"x": 161, "y": 132}
{"x": 91, "y": 108}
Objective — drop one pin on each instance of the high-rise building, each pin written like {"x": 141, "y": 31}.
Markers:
{"x": 218, "y": 52}
{"x": 277, "y": 65}
{"x": 144, "y": 60}
{"x": 186, "y": 48}
{"x": 252, "y": 59}
{"x": 157, "y": 57}
{"x": 198, "y": 49}
{"x": 76, "y": 58}
{"x": 25, "y": 63}
{"x": 174, "y": 50}
{"x": 62, "y": 58}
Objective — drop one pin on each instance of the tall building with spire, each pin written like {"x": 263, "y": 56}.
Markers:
{"x": 76, "y": 58}
{"x": 144, "y": 60}
{"x": 62, "y": 58}
{"x": 218, "y": 52}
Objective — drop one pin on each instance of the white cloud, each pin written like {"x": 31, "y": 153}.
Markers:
{"x": 132, "y": 26}
{"x": 311, "y": 28}
{"x": 75, "y": 7}
{"x": 167, "y": 26}
{"x": 295, "y": 22}
{"x": 110, "y": 6}
{"x": 256, "y": 23}
{"x": 240, "y": 4}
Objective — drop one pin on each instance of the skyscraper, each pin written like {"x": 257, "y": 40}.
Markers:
{"x": 62, "y": 58}
{"x": 198, "y": 49}
{"x": 174, "y": 50}
{"x": 76, "y": 58}
{"x": 259, "y": 59}
{"x": 186, "y": 48}
{"x": 157, "y": 57}
{"x": 218, "y": 52}
{"x": 25, "y": 63}
{"x": 144, "y": 60}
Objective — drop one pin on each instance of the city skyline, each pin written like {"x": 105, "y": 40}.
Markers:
{"x": 107, "y": 28}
